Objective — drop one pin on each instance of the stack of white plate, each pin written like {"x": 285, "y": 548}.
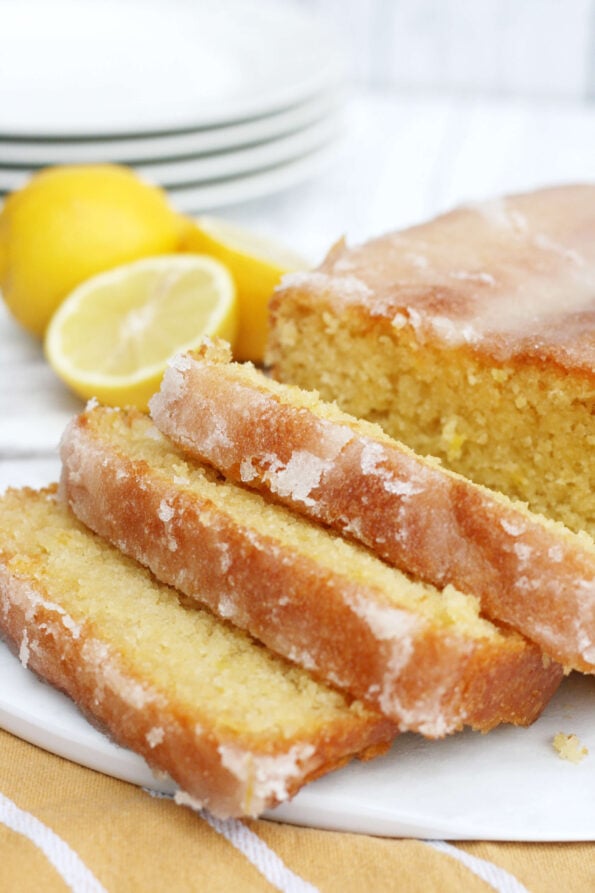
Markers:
{"x": 218, "y": 101}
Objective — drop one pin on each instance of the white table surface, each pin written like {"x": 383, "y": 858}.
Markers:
{"x": 401, "y": 159}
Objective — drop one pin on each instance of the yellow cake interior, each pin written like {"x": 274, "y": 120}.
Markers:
{"x": 133, "y": 435}
{"x": 209, "y": 668}
{"x": 523, "y": 429}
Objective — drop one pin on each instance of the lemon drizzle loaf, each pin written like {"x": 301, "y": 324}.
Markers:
{"x": 471, "y": 338}
{"x": 527, "y": 570}
{"x": 237, "y": 727}
{"x": 425, "y": 658}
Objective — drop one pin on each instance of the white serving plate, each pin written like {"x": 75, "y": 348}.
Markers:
{"x": 203, "y": 168}
{"x": 41, "y": 153}
{"x": 508, "y": 785}
{"x": 82, "y": 68}
{"x": 208, "y": 196}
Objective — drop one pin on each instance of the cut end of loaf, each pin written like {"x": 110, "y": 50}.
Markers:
{"x": 404, "y": 647}
{"x": 238, "y": 728}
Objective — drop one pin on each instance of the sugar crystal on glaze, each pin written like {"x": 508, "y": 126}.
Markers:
{"x": 24, "y": 651}
{"x": 182, "y": 798}
{"x": 165, "y": 511}
{"x": 155, "y": 736}
{"x": 299, "y": 477}
{"x": 265, "y": 777}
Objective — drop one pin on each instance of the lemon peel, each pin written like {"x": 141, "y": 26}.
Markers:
{"x": 69, "y": 223}
{"x": 256, "y": 264}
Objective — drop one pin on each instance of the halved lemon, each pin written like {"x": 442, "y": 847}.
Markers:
{"x": 256, "y": 264}
{"x": 113, "y": 335}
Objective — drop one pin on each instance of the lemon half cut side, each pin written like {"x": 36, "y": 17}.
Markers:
{"x": 113, "y": 335}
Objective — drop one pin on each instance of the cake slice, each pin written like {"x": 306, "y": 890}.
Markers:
{"x": 470, "y": 338}
{"x": 237, "y": 727}
{"x": 425, "y": 658}
{"x": 527, "y": 570}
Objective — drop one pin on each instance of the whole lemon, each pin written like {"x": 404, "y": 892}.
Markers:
{"x": 69, "y": 223}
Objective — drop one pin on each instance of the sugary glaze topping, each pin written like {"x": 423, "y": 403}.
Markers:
{"x": 530, "y": 572}
{"x": 265, "y": 778}
{"x": 417, "y": 650}
{"x": 293, "y": 477}
{"x": 515, "y": 276}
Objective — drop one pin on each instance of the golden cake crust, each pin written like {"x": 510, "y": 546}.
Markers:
{"x": 230, "y": 774}
{"x": 424, "y": 677}
{"x": 430, "y": 522}
{"x": 511, "y": 277}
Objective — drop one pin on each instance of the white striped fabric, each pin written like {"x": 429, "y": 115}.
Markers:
{"x": 69, "y": 866}
{"x": 264, "y": 859}
{"x": 81, "y": 880}
{"x": 496, "y": 877}
{"x": 260, "y": 855}
{"x": 280, "y": 876}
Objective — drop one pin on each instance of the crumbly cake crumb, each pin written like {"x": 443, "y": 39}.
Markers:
{"x": 569, "y": 747}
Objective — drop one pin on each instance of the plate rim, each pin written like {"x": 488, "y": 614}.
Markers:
{"x": 202, "y": 169}
{"x": 304, "y": 82}
{"x": 141, "y": 148}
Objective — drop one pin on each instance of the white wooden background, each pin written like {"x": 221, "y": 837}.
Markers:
{"x": 536, "y": 48}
